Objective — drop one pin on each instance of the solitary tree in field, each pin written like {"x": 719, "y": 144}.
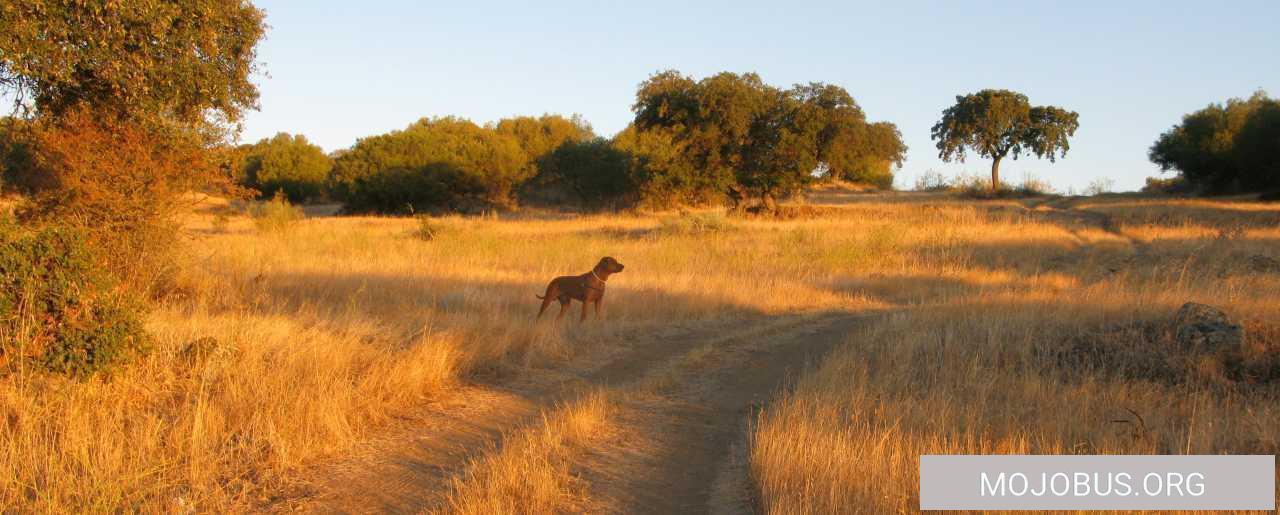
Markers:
{"x": 1000, "y": 123}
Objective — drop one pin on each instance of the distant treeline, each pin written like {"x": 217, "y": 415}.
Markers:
{"x": 729, "y": 137}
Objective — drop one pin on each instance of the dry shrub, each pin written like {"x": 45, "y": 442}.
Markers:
{"x": 123, "y": 181}
{"x": 1148, "y": 351}
{"x": 275, "y": 215}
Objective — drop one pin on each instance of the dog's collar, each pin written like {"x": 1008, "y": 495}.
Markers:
{"x": 593, "y": 274}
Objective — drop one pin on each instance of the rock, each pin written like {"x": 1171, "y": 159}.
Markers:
{"x": 1206, "y": 328}
{"x": 1264, "y": 264}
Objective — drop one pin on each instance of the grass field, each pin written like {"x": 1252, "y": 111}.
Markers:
{"x": 1036, "y": 326}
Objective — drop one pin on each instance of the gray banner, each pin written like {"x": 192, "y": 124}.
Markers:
{"x": 1020, "y": 482}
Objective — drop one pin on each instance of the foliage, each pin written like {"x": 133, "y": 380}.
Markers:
{"x": 540, "y": 136}
{"x": 123, "y": 180}
{"x": 276, "y": 214}
{"x": 1166, "y": 185}
{"x": 850, "y": 148}
{"x": 288, "y": 164}
{"x": 1000, "y": 123}
{"x": 662, "y": 176}
{"x": 594, "y": 170}
{"x": 57, "y": 310}
{"x": 1224, "y": 148}
{"x": 124, "y": 104}
{"x": 742, "y": 136}
{"x": 131, "y": 59}
{"x": 433, "y": 164}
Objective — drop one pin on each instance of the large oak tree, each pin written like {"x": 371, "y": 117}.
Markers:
{"x": 748, "y": 138}
{"x": 998, "y": 123}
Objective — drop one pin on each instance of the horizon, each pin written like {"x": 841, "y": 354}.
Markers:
{"x": 1115, "y": 65}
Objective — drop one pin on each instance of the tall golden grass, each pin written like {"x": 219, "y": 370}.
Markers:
{"x": 1038, "y": 341}
{"x": 277, "y": 348}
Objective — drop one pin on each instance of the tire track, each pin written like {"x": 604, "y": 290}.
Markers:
{"x": 410, "y": 466}
{"x": 681, "y": 447}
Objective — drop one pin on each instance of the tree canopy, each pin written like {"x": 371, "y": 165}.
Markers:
{"x": 1224, "y": 148}
{"x": 540, "y": 136}
{"x": 1000, "y": 123}
{"x": 741, "y": 135}
{"x": 288, "y": 164}
{"x": 450, "y": 161}
{"x": 183, "y": 60}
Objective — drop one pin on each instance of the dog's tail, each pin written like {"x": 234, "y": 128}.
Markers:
{"x": 539, "y": 296}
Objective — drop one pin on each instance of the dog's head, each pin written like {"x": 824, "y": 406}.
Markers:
{"x": 610, "y": 265}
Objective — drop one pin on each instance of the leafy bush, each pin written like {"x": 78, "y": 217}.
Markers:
{"x": 122, "y": 181}
{"x": 288, "y": 164}
{"x": 1225, "y": 148}
{"x": 57, "y": 309}
{"x": 432, "y": 165}
{"x": 594, "y": 170}
{"x": 276, "y": 214}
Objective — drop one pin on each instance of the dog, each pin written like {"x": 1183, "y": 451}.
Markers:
{"x": 587, "y": 288}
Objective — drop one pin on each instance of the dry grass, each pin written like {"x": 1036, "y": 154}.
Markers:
{"x": 1039, "y": 342}
{"x": 278, "y": 348}
{"x": 532, "y": 473}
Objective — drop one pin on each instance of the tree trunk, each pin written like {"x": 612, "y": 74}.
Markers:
{"x": 995, "y": 174}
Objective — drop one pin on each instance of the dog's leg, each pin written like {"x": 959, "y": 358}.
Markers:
{"x": 584, "y": 311}
{"x": 564, "y": 307}
{"x": 598, "y": 301}
{"x": 546, "y": 301}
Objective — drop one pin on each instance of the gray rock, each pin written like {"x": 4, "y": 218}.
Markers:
{"x": 1205, "y": 328}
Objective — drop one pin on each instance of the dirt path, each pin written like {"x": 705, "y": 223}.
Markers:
{"x": 687, "y": 395}
{"x": 681, "y": 447}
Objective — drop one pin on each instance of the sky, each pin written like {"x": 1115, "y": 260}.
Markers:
{"x": 339, "y": 71}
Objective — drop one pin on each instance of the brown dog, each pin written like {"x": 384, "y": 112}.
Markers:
{"x": 587, "y": 288}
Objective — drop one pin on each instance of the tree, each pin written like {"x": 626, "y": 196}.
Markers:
{"x": 183, "y": 60}
{"x": 1224, "y": 148}
{"x": 286, "y": 163}
{"x": 594, "y": 170}
{"x": 710, "y": 120}
{"x": 1000, "y": 123}
{"x": 751, "y": 139}
{"x": 128, "y": 103}
{"x": 539, "y": 136}
{"x": 661, "y": 174}
{"x": 470, "y": 164}
{"x": 849, "y": 148}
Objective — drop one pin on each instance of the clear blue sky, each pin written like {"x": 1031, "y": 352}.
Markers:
{"x": 338, "y": 71}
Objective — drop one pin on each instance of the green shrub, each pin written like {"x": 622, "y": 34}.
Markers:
{"x": 276, "y": 214}
{"x": 594, "y": 170}
{"x": 286, "y": 163}
{"x": 58, "y": 310}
